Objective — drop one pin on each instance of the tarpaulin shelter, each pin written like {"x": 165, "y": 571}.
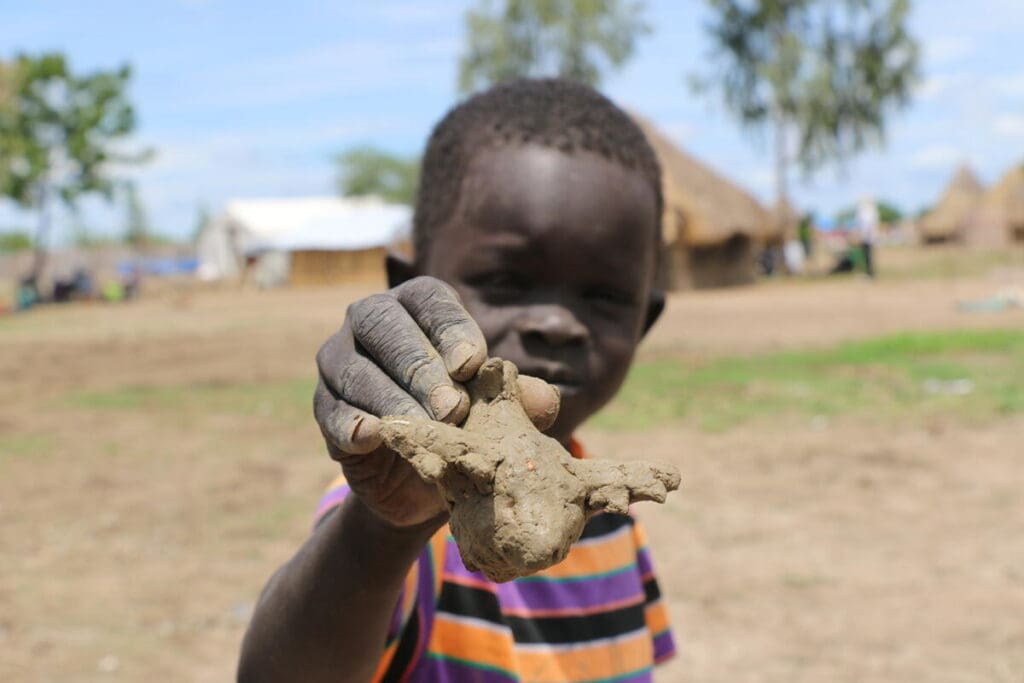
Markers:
{"x": 319, "y": 240}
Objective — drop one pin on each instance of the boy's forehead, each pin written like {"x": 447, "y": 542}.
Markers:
{"x": 522, "y": 195}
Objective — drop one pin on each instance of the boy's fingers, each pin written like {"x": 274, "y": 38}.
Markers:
{"x": 540, "y": 401}
{"x": 437, "y": 310}
{"x": 346, "y": 429}
{"x": 387, "y": 332}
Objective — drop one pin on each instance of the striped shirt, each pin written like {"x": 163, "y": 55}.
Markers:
{"x": 596, "y": 617}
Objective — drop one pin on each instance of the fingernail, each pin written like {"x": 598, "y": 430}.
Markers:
{"x": 461, "y": 356}
{"x": 443, "y": 402}
{"x": 364, "y": 433}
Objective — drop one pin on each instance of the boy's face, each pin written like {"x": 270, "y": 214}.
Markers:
{"x": 553, "y": 255}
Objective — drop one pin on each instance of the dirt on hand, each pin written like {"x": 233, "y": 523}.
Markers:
{"x": 518, "y": 500}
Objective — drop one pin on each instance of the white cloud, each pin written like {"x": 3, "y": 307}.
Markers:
{"x": 946, "y": 49}
{"x": 937, "y": 156}
{"x": 1009, "y": 85}
{"x": 326, "y": 70}
{"x": 1010, "y": 125}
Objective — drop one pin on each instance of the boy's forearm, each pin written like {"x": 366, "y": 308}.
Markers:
{"x": 324, "y": 615}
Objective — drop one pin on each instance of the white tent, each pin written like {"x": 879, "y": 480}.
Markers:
{"x": 252, "y": 227}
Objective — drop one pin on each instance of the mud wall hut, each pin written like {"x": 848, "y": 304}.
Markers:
{"x": 712, "y": 230}
{"x": 948, "y": 221}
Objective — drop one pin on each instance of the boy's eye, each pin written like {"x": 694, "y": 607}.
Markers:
{"x": 609, "y": 295}
{"x": 500, "y": 283}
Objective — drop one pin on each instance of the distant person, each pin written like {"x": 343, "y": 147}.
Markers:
{"x": 805, "y": 233}
{"x": 867, "y": 231}
{"x": 536, "y": 233}
{"x": 27, "y": 294}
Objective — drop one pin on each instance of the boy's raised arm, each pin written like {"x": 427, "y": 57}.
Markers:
{"x": 324, "y": 615}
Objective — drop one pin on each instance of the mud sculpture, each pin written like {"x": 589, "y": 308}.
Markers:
{"x": 517, "y": 499}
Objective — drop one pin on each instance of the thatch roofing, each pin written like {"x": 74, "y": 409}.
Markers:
{"x": 950, "y": 216}
{"x": 1000, "y": 214}
{"x": 712, "y": 209}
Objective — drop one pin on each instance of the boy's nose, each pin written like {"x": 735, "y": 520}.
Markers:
{"x": 555, "y": 325}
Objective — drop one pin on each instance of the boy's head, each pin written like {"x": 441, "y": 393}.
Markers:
{"x": 540, "y": 202}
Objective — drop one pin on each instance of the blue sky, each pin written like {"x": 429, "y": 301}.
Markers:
{"x": 246, "y": 99}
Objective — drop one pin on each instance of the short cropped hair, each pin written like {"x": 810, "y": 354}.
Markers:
{"x": 551, "y": 112}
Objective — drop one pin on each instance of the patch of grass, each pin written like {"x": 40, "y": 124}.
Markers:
{"x": 24, "y": 445}
{"x": 288, "y": 400}
{"x": 19, "y": 446}
{"x": 916, "y": 263}
{"x": 967, "y": 374}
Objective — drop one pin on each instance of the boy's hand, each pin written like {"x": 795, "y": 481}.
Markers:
{"x": 403, "y": 353}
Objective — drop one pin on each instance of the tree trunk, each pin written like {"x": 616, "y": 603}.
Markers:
{"x": 781, "y": 177}
{"x": 42, "y": 234}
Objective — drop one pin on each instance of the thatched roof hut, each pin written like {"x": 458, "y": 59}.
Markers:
{"x": 711, "y": 227}
{"x": 999, "y": 218}
{"x": 949, "y": 218}
{"x": 714, "y": 207}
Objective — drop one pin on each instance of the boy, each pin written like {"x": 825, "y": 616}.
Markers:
{"x": 535, "y": 238}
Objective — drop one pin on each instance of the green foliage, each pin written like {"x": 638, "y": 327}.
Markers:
{"x": 58, "y": 130}
{"x": 367, "y": 170}
{"x": 17, "y": 240}
{"x": 901, "y": 377}
{"x": 85, "y": 238}
{"x": 828, "y": 70}
{"x": 577, "y": 39}
{"x": 888, "y": 212}
{"x": 137, "y": 232}
{"x": 60, "y": 133}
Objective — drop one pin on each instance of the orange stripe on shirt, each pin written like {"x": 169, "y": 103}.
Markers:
{"x": 656, "y": 617}
{"x": 473, "y": 642}
{"x": 593, "y": 558}
{"x": 602, "y": 660}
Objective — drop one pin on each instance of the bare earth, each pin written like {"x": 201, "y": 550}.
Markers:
{"x": 135, "y": 533}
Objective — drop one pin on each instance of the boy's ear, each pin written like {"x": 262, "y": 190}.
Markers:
{"x": 399, "y": 268}
{"x": 655, "y": 305}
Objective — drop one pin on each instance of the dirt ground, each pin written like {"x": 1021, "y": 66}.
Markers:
{"x": 158, "y": 461}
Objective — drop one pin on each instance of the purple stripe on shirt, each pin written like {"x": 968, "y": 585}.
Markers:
{"x": 585, "y": 594}
{"x": 440, "y": 670}
{"x": 426, "y": 604}
{"x": 664, "y": 646}
{"x": 643, "y": 560}
{"x": 522, "y": 595}
{"x": 330, "y": 500}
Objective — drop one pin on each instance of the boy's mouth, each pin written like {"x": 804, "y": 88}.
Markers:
{"x": 561, "y": 376}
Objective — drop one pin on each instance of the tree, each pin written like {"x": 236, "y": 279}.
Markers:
{"x": 577, "y": 39}
{"x": 828, "y": 71}
{"x": 203, "y": 219}
{"x": 137, "y": 232}
{"x": 14, "y": 240}
{"x": 60, "y": 135}
{"x": 888, "y": 212}
{"x": 367, "y": 170}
